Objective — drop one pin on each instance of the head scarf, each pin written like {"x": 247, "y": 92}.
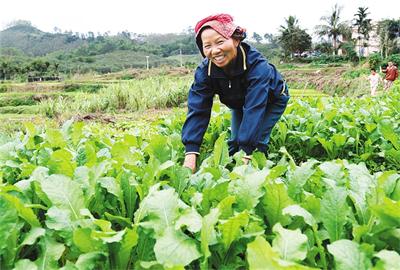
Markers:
{"x": 223, "y": 24}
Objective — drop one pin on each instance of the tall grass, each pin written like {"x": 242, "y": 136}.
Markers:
{"x": 125, "y": 96}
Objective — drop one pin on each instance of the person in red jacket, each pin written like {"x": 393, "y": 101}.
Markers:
{"x": 391, "y": 75}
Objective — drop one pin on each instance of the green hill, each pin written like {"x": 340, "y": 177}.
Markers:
{"x": 34, "y": 42}
{"x": 28, "y": 51}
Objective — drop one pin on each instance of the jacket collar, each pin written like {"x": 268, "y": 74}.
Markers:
{"x": 240, "y": 66}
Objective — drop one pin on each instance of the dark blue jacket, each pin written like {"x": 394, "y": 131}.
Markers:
{"x": 253, "y": 83}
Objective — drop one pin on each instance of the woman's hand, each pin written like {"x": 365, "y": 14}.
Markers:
{"x": 190, "y": 162}
{"x": 246, "y": 159}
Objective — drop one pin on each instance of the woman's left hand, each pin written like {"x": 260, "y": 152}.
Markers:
{"x": 246, "y": 160}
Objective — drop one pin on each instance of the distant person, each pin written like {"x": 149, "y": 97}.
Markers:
{"x": 374, "y": 79}
{"x": 391, "y": 75}
{"x": 243, "y": 79}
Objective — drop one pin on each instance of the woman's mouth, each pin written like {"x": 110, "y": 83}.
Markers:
{"x": 219, "y": 58}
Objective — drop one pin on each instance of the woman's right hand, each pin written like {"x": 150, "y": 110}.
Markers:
{"x": 190, "y": 162}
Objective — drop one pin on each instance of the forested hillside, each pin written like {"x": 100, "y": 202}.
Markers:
{"x": 24, "y": 48}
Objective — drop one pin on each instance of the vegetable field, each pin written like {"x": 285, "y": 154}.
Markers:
{"x": 91, "y": 196}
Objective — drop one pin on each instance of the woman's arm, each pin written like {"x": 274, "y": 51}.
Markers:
{"x": 199, "y": 110}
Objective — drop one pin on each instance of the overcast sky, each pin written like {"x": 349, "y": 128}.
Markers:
{"x": 173, "y": 16}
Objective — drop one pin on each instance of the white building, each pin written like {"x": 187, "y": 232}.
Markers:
{"x": 373, "y": 42}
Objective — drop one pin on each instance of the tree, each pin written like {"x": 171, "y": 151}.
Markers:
{"x": 333, "y": 27}
{"x": 269, "y": 37}
{"x": 57, "y": 30}
{"x": 125, "y": 34}
{"x": 324, "y": 47}
{"x": 90, "y": 36}
{"x": 38, "y": 67}
{"x": 4, "y": 70}
{"x": 189, "y": 31}
{"x": 56, "y": 66}
{"x": 363, "y": 28}
{"x": 257, "y": 37}
{"x": 292, "y": 38}
{"x": 18, "y": 23}
{"x": 349, "y": 52}
{"x": 272, "y": 40}
{"x": 389, "y": 33}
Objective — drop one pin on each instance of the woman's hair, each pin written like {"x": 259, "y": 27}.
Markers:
{"x": 239, "y": 33}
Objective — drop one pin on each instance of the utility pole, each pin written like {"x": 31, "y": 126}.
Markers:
{"x": 147, "y": 62}
{"x": 180, "y": 58}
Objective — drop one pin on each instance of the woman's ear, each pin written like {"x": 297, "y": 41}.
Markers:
{"x": 236, "y": 42}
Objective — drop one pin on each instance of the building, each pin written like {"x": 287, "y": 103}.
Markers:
{"x": 373, "y": 43}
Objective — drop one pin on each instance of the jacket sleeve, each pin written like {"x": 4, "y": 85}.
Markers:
{"x": 263, "y": 78}
{"x": 200, "y": 102}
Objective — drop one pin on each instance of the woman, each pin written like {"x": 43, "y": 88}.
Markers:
{"x": 243, "y": 79}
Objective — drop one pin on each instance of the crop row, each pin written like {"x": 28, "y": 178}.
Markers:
{"x": 93, "y": 197}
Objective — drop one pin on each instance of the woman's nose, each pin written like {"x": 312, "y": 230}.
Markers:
{"x": 215, "y": 50}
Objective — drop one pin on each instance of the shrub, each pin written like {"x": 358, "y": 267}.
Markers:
{"x": 328, "y": 59}
{"x": 395, "y": 58}
{"x": 88, "y": 88}
{"x": 3, "y": 88}
{"x": 351, "y": 54}
{"x": 374, "y": 61}
{"x": 352, "y": 74}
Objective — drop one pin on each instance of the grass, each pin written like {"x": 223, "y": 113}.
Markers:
{"x": 141, "y": 93}
{"x": 12, "y": 122}
{"x": 23, "y": 109}
{"x": 305, "y": 92}
{"x": 125, "y": 97}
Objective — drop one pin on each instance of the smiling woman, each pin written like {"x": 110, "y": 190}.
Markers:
{"x": 243, "y": 79}
{"x": 218, "y": 49}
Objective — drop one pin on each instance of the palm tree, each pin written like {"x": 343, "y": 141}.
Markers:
{"x": 363, "y": 27}
{"x": 332, "y": 28}
{"x": 287, "y": 32}
{"x": 292, "y": 38}
{"x": 257, "y": 37}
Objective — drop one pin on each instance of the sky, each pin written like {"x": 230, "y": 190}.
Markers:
{"x": 174, "y": 16}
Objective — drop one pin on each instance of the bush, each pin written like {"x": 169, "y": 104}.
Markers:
{"x": 127, "y": 77}
{"x": 395, "y": 58}
{"x": 3, "y": 88}
{"x": 328, "y": 59}
{"x": 86, "y": 59}
{"x": 17, "y": 100}
{"x": 374, "y": 61}
{"x": 352, "y": 74}
{"x": 351, "y": 54}
{"x": 88, "y": 88}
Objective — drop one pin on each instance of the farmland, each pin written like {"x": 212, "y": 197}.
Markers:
{"x": 92, "y": 178}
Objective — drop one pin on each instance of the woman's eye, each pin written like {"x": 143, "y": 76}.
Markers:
{"x": 220, "y": 42}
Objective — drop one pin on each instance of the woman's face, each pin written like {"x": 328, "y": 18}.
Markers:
{"x": 217, "y": 48}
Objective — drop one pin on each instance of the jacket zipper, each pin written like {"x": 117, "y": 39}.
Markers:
{"x": 230, "y": 84}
